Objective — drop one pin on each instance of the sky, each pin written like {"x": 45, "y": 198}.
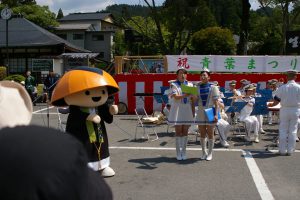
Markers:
{"x": 71, "y": 6}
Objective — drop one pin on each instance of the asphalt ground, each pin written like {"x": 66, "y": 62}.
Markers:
{"x": 148, "y": 170}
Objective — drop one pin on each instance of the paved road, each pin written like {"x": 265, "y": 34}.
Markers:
{"x": 149, "y": 171}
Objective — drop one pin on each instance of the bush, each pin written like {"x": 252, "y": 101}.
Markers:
{"x": 16, "y": 77}
{"x": 213, "y": 40}
{"x": 2, "y": 72}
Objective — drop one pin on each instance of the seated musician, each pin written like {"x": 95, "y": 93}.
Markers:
{"x": 232, "y": 89}
{"x": 250, "y": 121}
{"x": 223, "y": 125}
{"x": 243, "y": 82}
{"x": 259, "y": 117}
{"x": 236, "y": 94}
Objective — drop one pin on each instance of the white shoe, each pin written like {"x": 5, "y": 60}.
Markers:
{"x": 108, "y": 172}
{"x": 262, "y": 131}
{"x": 224, "y": 143}
{"x": 178, "y": 144}
{"x": 178, "y": 157}
{"x": 203, "y": 145}
{"x": 183, "y": 156}
{"x": 256, "y": 140}
{"x": 297, "y": 139}
{"x": 209, "y": 157}
{"x": 210, "y": 149}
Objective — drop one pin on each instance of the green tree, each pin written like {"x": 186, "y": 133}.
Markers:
{"x": 40, "y": 15}
{"x": 144, "y": 27}
{"x": 175, "y": 22}
{"x": 213, "y": 40}
{"x": 265, "y": 32}
{"x": 288, "y": 16}
{"x": 60, "y": 14}
{"x": 14, "y": 3}
{"x": 119, "y": 46}
{"x": 227, "y": 13}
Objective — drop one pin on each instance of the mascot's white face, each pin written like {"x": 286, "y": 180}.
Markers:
{"x": 88, "y": 98}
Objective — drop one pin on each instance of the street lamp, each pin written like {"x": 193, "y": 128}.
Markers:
{"x": 6, "y": 14}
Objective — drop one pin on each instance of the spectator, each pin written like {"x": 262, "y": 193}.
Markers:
{"x": 30, "y": 85}
{"x": 50, "y": 83}
{"x": 44, "y": 164}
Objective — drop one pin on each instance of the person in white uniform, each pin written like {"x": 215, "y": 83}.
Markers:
{"x": 208, "y": 96}
{"x": 260, "y": 118}
{"x": 223, "y": 126}
{"x": 289, "y": 97}
{"x": 181, "y": 112}
{"x": 272, "y": 86}
{"x": 251, "y": 121}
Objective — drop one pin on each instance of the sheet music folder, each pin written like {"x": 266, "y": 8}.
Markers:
{"x": 236, "y": 107}
{"x": 210, "y": 114}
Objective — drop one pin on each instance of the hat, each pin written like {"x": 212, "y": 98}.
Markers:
{"x": 80, "y": 79}
{"x": 15, "y": 105}
{"x": 232, "y": 82}
{"x": 254, "y": 84}
{"x": 42, "y": 163}
{"x": 243, "y": 81}
{"x": 291, "y": 71}
{"x": 249, "y": 87}
{"x": 273, "y": 81}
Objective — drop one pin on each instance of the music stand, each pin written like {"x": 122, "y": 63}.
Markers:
{"x": 260, "y": 106}
{"x": 236, "y": 107}
{"x": 227, "y": 101}
{"x": 266, "y": 93}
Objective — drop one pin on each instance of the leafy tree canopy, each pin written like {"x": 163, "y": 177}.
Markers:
{"x": 213, "y": 40}
{"x": 40, "y": 15}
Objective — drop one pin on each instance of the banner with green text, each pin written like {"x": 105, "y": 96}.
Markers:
{"x": 223, "y": 63}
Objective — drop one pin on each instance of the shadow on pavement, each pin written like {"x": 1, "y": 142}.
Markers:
{"x": 152, "y": 163}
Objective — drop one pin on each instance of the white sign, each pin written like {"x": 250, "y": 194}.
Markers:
{"x": 248, "y": 64}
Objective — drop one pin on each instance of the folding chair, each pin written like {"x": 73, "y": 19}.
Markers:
{"x": 62, "y": 123}
{"x": 141, "y": 117}
{"x": 236, "y": 107}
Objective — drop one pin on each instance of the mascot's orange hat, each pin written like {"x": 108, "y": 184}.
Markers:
{"x": 80, "y": 79}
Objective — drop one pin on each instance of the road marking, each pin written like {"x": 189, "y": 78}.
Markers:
{"x": 168, "y": 148}
{"x": 190, "y": 149}
{"x": 258, "y": 178}
{"x": 45, "y": 113}
{"x": 42, "y": 110}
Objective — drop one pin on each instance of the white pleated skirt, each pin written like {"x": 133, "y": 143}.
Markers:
{"x": 181, "y": 114}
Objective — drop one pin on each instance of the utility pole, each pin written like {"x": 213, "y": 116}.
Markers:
{"x": 6, "y": 15}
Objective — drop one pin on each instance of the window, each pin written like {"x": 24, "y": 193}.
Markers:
{"x": 63, "y": 36}
{"x": 77, "y": 36}
{"x": 101, "y": 54}
{"x": 98, "y": 37}
{"x": 17, "y": 65}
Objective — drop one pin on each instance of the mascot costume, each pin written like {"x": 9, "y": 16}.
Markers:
{"x": 86, "y": 90}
